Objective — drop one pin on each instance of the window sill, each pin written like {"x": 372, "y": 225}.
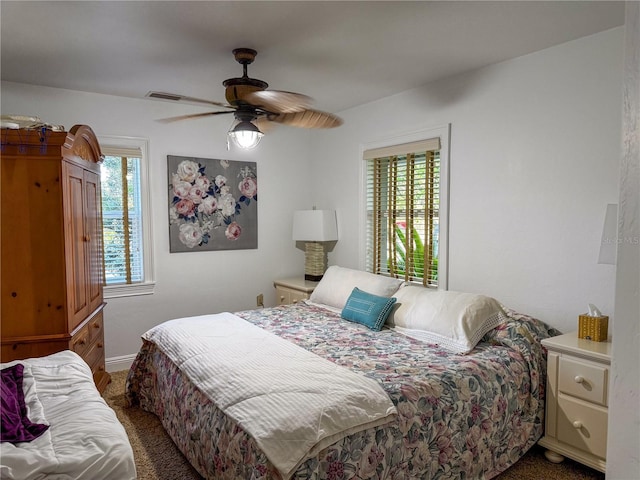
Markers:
{"x": 115, "y": 291}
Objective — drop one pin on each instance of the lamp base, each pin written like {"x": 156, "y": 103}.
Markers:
{"x": 315, "y": 261}
{"x": 313, "y": 278}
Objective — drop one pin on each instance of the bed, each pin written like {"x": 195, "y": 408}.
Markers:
{"x": 457, "y": 409}
{"x": 71, "y": 431}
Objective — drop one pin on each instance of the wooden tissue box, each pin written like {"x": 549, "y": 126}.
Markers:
{"x": 593, "y": 328}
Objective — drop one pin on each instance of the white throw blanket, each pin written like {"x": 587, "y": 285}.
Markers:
{"x": 291, "y": 401}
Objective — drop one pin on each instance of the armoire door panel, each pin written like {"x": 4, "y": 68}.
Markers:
{"x": 76, "y": 244}
{"x": 93, "y": 230}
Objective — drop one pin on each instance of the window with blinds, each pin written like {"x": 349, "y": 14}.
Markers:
{"x": 122, "y": 218}
{"x": 402, "y": 211}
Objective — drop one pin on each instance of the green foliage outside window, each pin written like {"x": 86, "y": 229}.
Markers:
{"x": 418, "y": 251}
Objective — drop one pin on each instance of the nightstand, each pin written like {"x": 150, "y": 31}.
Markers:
{"x": 578, "y": 374}
{"x": 293, "y": 290}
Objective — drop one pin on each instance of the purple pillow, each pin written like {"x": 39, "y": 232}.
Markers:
{"x": 16, "y": 427}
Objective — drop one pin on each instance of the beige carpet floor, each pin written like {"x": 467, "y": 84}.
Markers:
{"x": 157, "y": 458}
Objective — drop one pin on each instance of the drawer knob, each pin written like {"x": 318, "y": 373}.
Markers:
{"x": 577, "y": 424}
{"x": 282, "y": 298}
{"x": 579, "y": 379}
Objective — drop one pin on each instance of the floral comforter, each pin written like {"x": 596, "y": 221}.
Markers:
{"x": 459, "y": 416}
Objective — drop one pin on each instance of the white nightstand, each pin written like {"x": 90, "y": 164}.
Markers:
{"x": 578, "y": 373}
{"x": 293, "y": 290}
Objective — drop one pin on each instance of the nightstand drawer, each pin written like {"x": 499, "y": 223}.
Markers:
{"x": 583, "y": 426}
{"x": 293, "y": 290}
{"x": 296, "y": 297}
{"x": 283, "y": 296}
{"x": 288, "y": 296}
{"x": 583, "y": 380}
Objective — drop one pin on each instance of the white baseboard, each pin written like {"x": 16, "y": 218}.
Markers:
{"x": 115, "y": 364}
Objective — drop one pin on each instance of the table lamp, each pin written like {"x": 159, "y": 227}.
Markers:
{"x": 314, "y": 227}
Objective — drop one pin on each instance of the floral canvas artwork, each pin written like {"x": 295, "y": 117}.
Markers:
{"x": 213, "y": 204}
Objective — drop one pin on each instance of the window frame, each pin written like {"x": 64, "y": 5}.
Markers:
{"x": 443, "y": 133}
{"x": 147, "y": 286}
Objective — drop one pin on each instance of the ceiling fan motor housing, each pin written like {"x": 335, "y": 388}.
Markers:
{"x": 237, "y": 88}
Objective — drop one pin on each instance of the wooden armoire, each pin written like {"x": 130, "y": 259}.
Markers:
{"x": 51, "y": 246}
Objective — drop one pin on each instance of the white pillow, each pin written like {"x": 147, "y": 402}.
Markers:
{"x": 456, "y": 321}
{"x": 338, "y": 283}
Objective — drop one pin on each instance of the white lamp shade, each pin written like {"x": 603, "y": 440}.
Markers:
{"x": 315, "y": 225}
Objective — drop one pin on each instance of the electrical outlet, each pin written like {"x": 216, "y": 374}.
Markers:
{"x": 260, "y": 300}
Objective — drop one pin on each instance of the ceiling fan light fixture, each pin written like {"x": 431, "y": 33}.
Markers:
{"x": 245, "y": 135}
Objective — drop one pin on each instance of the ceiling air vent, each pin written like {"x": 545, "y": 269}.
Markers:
{"x": 164, "y": 96}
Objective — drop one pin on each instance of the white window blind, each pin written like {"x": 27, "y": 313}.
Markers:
{"x": 402, "y": 205}
{"x": 432, "y": 144}
{"x": 122, "y": 217}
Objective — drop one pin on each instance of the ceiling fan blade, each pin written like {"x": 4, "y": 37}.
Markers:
{"x": 193, "y": 115}
{"x": 278, "y": 101}
{"x": 307, "y": 119}
{"x": 176, "y": 97}
{"x": 263, "y": 123}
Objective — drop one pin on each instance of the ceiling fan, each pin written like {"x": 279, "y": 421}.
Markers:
{"x": 251, "y": 104}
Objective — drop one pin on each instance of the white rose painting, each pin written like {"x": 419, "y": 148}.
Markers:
{"x": 213, "y": 204}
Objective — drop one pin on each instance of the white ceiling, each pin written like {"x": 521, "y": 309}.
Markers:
{"x": 342, "y": 54}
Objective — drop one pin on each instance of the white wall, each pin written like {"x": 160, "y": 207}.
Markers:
{"x": 623, "y": 449}
{"x": 188, "y": 283}
{"x": 535, "y": 145}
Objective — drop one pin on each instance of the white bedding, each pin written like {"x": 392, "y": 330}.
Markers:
{"x": 291, "y": 401}
{"x": 85, "y": 440}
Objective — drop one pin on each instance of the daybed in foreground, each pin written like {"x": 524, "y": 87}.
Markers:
{"x": 272, "y": 393}
{"x": 77, "y": 435}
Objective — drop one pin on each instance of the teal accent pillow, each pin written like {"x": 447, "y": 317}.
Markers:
{"x": 368, "y": 309}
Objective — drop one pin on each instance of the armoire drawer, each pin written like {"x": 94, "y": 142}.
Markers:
{"x": 80, "y": 342}
{"x": 20, "y": 349}
{"x": 96, "y": 328}
{"x": 95, "y": 356}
